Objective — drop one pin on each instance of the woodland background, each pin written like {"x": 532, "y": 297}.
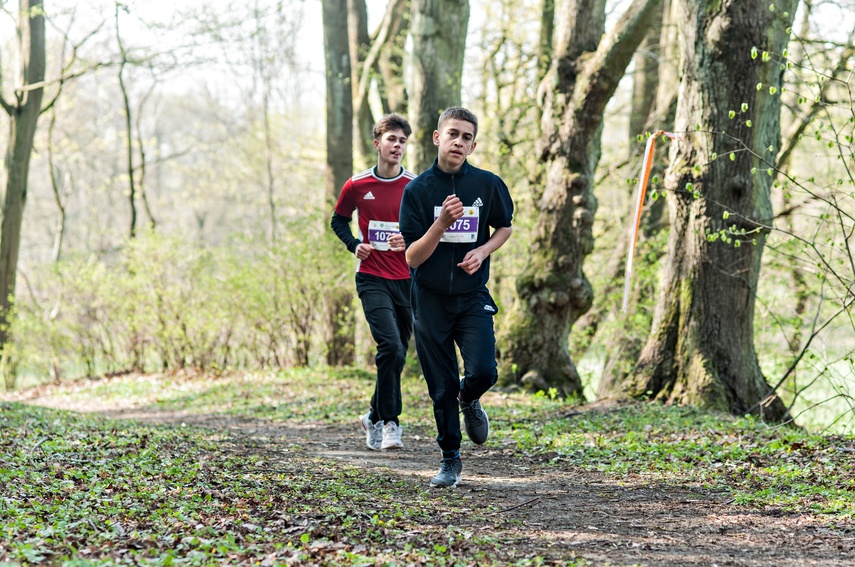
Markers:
{"x": 181, "y": 181}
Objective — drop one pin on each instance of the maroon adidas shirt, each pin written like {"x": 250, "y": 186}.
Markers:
{"x": 376, "y": 199}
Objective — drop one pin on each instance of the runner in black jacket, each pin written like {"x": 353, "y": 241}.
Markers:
{"x": 446, "y": 218}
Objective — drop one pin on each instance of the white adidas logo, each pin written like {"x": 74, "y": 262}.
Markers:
{"x": 369, "y": 196}
{"x": 489, "y": 308}
{"x": 478, "y": 203}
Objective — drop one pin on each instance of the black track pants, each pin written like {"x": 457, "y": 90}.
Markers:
{"x": 441, "y": 321}
{"x": 386, "y": 304}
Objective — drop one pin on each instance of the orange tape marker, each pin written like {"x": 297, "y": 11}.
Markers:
{"x": 639, "y": 204}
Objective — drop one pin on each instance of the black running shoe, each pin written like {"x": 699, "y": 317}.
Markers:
{"x": 475, "y": 421}
{"x": 449, "y": 474}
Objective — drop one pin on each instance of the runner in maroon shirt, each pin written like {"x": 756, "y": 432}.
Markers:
{"x": 382, "y": 274}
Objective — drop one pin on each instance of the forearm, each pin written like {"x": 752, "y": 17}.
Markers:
{"x": 420, "y": 250}
{"x": 341, "y": 227}
{"x": 497, "y": 240}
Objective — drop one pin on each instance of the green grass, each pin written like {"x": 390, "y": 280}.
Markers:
{"x": 80, "y": 490}
{"x": 84, "y": 491}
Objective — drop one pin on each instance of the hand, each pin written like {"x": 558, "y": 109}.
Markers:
{"x": 472, "y": 261}
{"x": 452, "y": 209}
{"x": 363, "y": 251}
{"x": 396, "y": 242}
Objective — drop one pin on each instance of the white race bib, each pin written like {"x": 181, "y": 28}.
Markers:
{"x": 379, "y": 233}
{"x": 464, "y": 229}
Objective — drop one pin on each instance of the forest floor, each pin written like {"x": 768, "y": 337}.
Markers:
{"x": 530, "y": 502}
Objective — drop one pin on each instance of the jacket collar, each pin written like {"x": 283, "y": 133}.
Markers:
{"x": 464, "y": 169}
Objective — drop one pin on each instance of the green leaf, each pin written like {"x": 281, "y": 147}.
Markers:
{"x": 754, "y": 53}
{"x": 748, "y": 123}
{"x": 744, "y": 107}
{"x": 725, "y": 215}
{"x": 732, "y": 156}
{"x": 714, "y": 156}
{"x": 731, "y": 114}
{"x": 759, "y": 86}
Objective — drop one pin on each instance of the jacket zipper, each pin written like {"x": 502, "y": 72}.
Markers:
{"x": 453, "y": 245}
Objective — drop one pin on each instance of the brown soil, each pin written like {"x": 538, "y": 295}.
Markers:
{"x": 562, "y": 513}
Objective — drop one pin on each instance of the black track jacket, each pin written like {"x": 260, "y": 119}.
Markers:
{"x": 477, "y": 189}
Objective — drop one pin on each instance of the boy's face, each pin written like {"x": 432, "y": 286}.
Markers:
{"x": 391, "y": 147}
{"x": 456, "y": 141}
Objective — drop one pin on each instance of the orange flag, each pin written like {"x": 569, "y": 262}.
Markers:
{"x": 640, "y": 193}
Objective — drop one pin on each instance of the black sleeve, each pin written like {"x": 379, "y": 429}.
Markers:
{"x": 341, "y": 227}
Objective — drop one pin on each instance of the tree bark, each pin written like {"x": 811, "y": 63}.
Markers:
{"x": 390, "y": 63}
{"x": 23, "y": 118}
{"x": 646, "y": 85}
{"x": 363, "y": 122}
{"x": 129, "y": 132}
{"x": 701, "y": 349}
{"x": 339, "y": 97}
{"x": 340, "y": 339}
{"x": 552, "y": 291}
{"x": 438, "y": 29}
{"x": 624, "y": 346}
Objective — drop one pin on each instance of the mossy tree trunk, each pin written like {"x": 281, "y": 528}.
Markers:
{"x": 701, "y": 349}
{"x": 623, "y": 345}
{"x": 363, "y": 120}
{"x": 643, "y": 115}
{"x": 24, "y": 114}
{"x": 438, "y": 29}
{"x": 340, "y": 323}
{"x": 552, "y": 291}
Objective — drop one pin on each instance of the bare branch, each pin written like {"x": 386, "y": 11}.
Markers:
{"x": 382, "y": 37}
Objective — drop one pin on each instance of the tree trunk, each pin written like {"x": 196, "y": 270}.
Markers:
{"x": 642, "y": 110}
{"x": 624, "y": 346}
{"x": 339, "y": 97}
{"x": 701, "y": 349}
{"x": 340, "y": 323}
{"x": 393, "y": 90}
{"x": 62, "y": 186}
{"x": 439, "y": 37}
{"x": 129, "y": 132}
{"x": 23, "y": 118}
{"x": 552, "y": 291}
{"x": 363, "y": 121}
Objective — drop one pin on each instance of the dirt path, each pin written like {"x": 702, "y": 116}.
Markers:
{"x": 561, "y": 511}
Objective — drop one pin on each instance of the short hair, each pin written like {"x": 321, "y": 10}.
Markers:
{"x": 389, "y": 122}
{"x": 458, "y": 113}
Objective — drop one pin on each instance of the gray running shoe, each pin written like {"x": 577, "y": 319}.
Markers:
{"x": 449, "y": 474}
{"x": 373, "y": 433}
{"x": 475, "y": 421}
